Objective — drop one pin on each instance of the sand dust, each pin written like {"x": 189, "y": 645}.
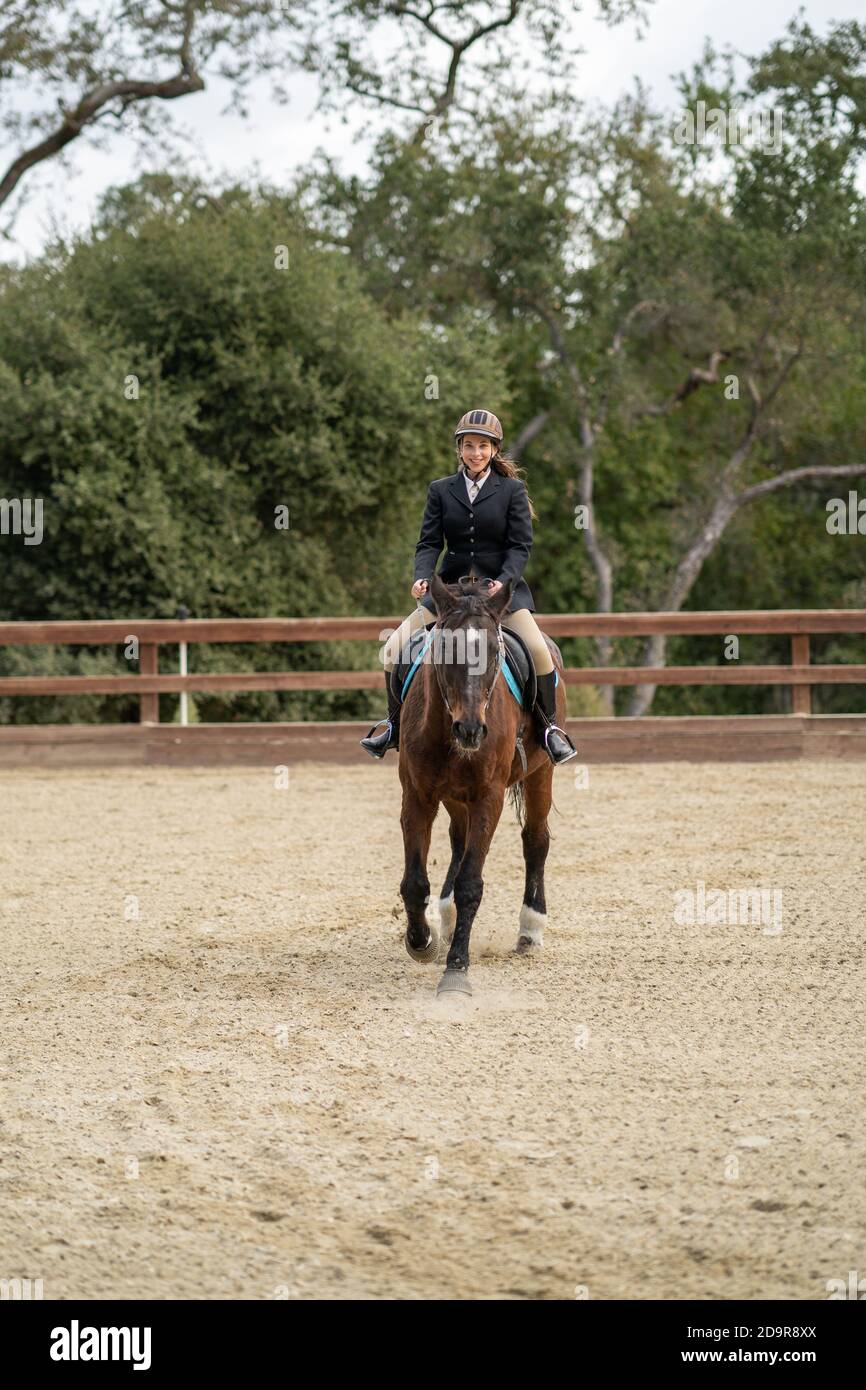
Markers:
{"x": 225, "y": 1078}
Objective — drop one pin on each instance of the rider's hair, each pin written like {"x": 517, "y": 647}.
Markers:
{"x": 500, "y": 463}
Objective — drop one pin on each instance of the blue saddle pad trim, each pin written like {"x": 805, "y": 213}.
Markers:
{"x": 506, "y": 671}
{"x": 511, "y": 683}
{"x": 415, "y": 664}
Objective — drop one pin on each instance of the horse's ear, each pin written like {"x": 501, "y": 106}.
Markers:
{"x": 501, "y": 599}
{"x": 443, "y": 597}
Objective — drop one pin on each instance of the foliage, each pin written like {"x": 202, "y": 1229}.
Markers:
{"x": 687, "y": 316}
{"x": 255, "y": 388}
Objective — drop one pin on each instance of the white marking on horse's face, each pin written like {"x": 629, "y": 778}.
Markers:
{"x": 476, "y": 644}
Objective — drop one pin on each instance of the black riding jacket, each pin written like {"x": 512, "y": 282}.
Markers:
{"x": 491, "y": 536}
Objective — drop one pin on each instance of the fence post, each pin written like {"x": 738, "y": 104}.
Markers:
{"x": 801, "y": 695}
{"x": 182, "y": 615}
{"x": 148, "y": 665}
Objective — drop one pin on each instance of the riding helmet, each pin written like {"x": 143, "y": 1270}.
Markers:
{"x": 480, "y": 422}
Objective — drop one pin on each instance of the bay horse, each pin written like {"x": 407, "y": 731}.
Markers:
{"x": 458, "y": 748}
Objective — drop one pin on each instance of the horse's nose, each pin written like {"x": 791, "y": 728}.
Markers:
{"x": 469, "y": 732}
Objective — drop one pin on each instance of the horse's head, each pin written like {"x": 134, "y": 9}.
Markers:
{"x": 466, "y": 652}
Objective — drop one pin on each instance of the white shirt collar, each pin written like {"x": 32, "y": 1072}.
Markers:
{"x": 479, "y": 482}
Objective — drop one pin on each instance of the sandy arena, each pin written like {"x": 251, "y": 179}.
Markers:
{"x": 225, "y": 1078}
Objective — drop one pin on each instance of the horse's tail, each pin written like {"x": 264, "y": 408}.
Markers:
{"x": 518, "y": 801}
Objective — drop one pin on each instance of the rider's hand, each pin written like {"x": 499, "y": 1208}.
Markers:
{"x": 419, "y": 588}
{"x": 493, "y": 587}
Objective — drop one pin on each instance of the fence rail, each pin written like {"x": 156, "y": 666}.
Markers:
{"x": 151, "y": 634}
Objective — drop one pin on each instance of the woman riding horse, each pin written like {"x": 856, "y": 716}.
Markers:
{"x": 482, "y": 514}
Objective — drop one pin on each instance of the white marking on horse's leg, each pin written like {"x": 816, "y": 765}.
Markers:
{"x": 532, "y": 925}
{"x": 431, "y": 919}
{"x": 448, "y": 915}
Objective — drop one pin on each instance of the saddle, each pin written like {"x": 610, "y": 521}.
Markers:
{"x": 518, "y": 669}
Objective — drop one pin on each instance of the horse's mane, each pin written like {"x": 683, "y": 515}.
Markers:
{"x": 471, "y": 603}
{"x": 471, "y": 606}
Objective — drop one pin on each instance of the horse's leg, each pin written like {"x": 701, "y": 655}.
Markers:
{"x": 416, "y": 819}
{"x": 538, "y": 792}
{"x": 483, "y": 818}
{"x": 457, "y": 835}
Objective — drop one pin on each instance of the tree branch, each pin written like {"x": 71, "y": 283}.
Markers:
{"x": 698, "y": 376}
{"x": 95, "y": 103}
{"x": 643, "y": 307}
{"x": 529, "y": 432}
{"x": 458, "y": 47}
{"x": 799, "y": 475}
{"x": 87, "y": 110}
{"x": 382, "y": 97}
{"x": 727, "y": 502}
{"x": 615, "y": 349}
{"x": 586, "y": 484}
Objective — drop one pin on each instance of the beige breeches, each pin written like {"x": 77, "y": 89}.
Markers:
{"x": 522, "y": 622}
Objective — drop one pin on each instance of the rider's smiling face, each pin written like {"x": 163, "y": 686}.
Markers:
{"x": 476, "y": 450}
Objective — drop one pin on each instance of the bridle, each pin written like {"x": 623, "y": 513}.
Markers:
{"x": 500, "y": 656}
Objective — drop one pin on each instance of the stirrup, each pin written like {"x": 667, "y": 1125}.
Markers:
{"x": 378, "y": 746}
{"x": 559, "y": 755}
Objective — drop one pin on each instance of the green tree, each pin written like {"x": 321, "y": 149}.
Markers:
{"x": 71, "y": 70}
{"x": 167, "y": 385}
{"x": 682, "y": 323}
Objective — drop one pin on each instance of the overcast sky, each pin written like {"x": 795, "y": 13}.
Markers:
{"x": 276, "y": 139}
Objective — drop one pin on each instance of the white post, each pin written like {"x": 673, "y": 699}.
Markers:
{"x": 183, "y": 696}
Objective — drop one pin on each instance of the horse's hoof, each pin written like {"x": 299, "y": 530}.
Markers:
{"x": 424, "y": 954}
{"x": 529, "y": 945}
{"x": 454, "y": 982}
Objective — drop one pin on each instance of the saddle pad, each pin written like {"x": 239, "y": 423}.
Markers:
{"x": 519, "y": 669}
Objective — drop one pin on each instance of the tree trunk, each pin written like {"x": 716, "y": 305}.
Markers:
{"x": 600, "y": 562}
{"x": 685, "y": 575}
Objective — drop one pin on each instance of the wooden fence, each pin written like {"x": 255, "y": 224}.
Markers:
{"x": 148, "y": 682}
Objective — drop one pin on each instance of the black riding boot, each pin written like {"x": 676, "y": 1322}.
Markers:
{"x": 556, "y": 741}
{"x": 377, "y": 745}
